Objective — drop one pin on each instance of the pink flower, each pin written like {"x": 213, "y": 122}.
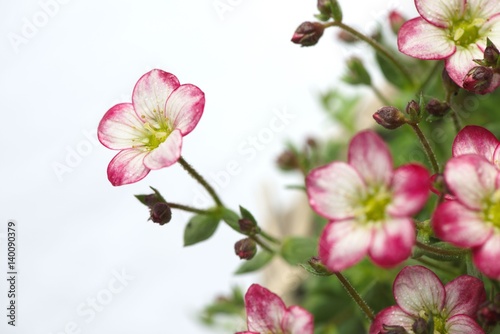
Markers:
{"x": 266, "y": 313}
{"x": 453, "y": 30}
{"x": 369, "y": 205}
{"x": 474, "y": 139}
{"x": 419, "y": 294}
{"x": 472, "y": 220}
{"x": 148, "y": 132}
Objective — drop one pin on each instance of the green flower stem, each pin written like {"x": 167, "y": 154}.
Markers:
{"x": 440, "y": 251}
{"x": 188, "y": 208}
{"x": 355, "y": 295}
{"x": 261, "y": 244}
{"x": 380, "y": 96}
{"x": 427, "y": 147}
{"x": 200, "y": 180}
{"x": 268, "y": 237}
{"x": 453, "y": 113}
{"x": 374, "y": 44}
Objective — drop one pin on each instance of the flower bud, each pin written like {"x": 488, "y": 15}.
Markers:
{"x": 488, "y": 315}
{"x": 491, "y": 54}
{"x": 245, "y": 248}
{"x": 437, "y": 108}
{"x": 396, "y": 20}
{"x": 357, "y": 73}
{"x": 160, "y": 213}
{"x": 308, "y": 33}
{"x": 478, "y": 80}
{"x": 288, "y": 160}
{"x": 247, "y": 226}
{"x": 324, "y": 7}
{"x": 413, "y": 110}
{"x": 389, "y": 117}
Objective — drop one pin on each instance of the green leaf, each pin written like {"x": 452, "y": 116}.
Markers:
{"x": 391, "y": 72}
{"x": 231, "y": 218}
{"x": 200, "y": 228}
{"x": 295, "y": 250}
{"x": 260, "y": 260}
{"x": 246, "y": 214}
{"x": 141, "y": 198}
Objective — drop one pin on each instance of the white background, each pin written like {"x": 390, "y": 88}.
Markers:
{"x": 76, "y": 232}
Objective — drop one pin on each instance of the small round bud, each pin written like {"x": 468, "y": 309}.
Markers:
{"x": 437, "y": 108}
{"x": 161, "y": 213}
{"x": 245, "y": 248}
{"x": 308, "y": 33}
{"x": 491, "y": 54}
{"x": 413, "y": 110}
{"x": 478, "y": 80}
{"x": 396, "y": 20}
{"x": 324, "y": 7}
{"x": 389, "y": 117}
{"x": 288, "y": 161}
{"x": 247, "y": 226}
{"x": 346, "y": 37}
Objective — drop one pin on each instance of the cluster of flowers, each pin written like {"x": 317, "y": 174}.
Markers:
{"x": 369, "y": 205}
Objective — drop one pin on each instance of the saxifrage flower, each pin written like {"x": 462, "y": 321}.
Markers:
{"x": 266, "y": 313}
{"x": 369, "y": 205}
{"x": 472, "y": 219}
{"x": 420, "y": 295}
{"x": 148, "y": 132}
{"x": 453, "y": 30}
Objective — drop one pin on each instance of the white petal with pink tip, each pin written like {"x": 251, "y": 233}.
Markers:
{"x": 486, "y": 256}
{"x": 461, "y": 62}
{"x": 127, "y": 167}
{"x": 417, "y": 288}
{"x": 474, "y": 139}
{"x": 184, "y": 108}
{"x": 298, "y": 321}
{"x": 410, "y": 190}
{"x": 440, "y": 12}
{"x": 420, "y": 39}
{"x": 151, "y": 93}
{"x": 167, "y": 153}
{"x": 463, "y": 295}
{"x": 369, "y": 155}
{"x": 343, "y": 243}
{"x": 335, "y": 190}
{"x": 120, "y": 127}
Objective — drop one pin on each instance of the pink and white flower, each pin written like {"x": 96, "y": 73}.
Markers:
{"x": 472, "y": 220}
{"x": 266, "y": 313}
{"x": 453, "y": 30}
{"x": 369, "y": 205}
{"x": 148, "y": 132}
{"x": 420, "y": 295}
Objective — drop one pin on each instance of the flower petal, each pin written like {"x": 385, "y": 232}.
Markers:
{"x": 342, "y": 244}
{"x": 151, "y": 93}
{"x": 120, "y": 127}
{"x": 463, "y": 324}
{"x": 461, "y": 62}
{"x": 491, "y": 28}
{"x": 474, "y": 139}
{"x": 452, "y": 222}
{"x": 167, "y": 153}
{"x": 417, "y": 288}
{"x": 410, "y": 190}
{"x": 420, "y": 39}
{"x": 391, "y": 316}
{"x": 463, "y": 295}
{"x": 392, "y": 242}
{"x": 441, "y": 12}
{"x": 370, "y": 156}
{"x": 185, "y": 107}
{"x": 127, "y": 167}
{"x": 482, "y": 8}
{"x": 334, "y": 190}
{"x": 265, "y": 310}
{"x": 486, "y": 257}
{"x": 298, "y": 321}
{"x": 479, "y": 183}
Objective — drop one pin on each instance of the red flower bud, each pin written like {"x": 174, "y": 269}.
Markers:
{"x": 245, "y": 248}
{"x": 478, "y": 80}
{"x": 396, "y": 20}
{"x": 437, "y": 108}
{"x": 389, "y": 117}
{"x": 308, "y": 33}
{"x": 160, "y": 213}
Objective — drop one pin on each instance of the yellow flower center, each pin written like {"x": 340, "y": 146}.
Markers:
{"x": 491, "y": 210}
{"x": 373, "y": 206}
{"x": 466, "y": 32}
